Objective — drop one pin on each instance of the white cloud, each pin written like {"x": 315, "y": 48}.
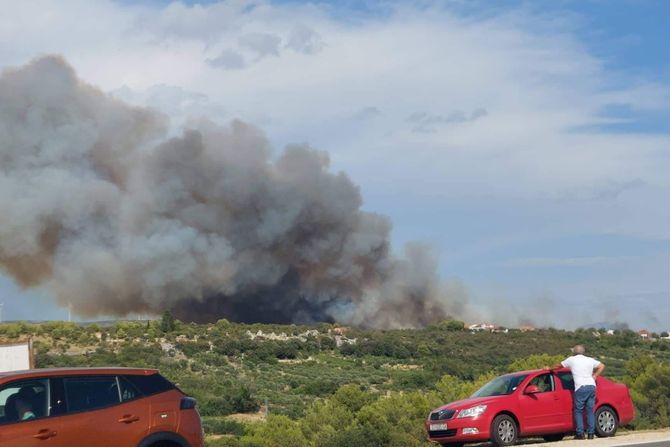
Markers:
{"x": 229, "y": 60}
{"x": 263, "y": 44}
{"x": 205, "y": 23}
{"x": 538, "y": 88}
{"x": 182, "y": 106}
{"x": 304, "y": 40}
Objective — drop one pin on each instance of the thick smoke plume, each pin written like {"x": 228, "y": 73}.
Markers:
{"x": 111, "y": 216}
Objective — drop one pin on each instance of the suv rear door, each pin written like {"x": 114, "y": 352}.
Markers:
{"x": 163, "y": 399}
{"x": 28, "y": 424}
{"x": 96, "y": 415}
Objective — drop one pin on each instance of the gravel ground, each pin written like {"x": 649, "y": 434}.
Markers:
{"x": 621, "y": 439}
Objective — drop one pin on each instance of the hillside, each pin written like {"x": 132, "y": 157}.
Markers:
{"x": 297, "y": 370}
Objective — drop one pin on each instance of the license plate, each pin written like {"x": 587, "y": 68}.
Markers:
{"x": 436, "y": 427}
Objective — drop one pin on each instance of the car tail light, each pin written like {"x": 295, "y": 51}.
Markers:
{"x": 187, "y": 403}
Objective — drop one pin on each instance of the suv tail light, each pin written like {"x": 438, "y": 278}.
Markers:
{"x": 187, "y": 403}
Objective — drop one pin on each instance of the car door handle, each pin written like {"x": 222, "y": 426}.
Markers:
{"x": 45, "y": 434}
{"x": 129, "y": 419}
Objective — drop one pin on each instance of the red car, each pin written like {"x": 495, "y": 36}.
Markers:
{"x": 95, "y": 407}
{"x": 528, "y": 403}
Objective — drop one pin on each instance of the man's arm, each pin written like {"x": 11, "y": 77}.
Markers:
{"x": 599, "y": 370}
{"x": 553, "y": 367}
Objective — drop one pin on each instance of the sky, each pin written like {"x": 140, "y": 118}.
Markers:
{"x": 528, "y": 142}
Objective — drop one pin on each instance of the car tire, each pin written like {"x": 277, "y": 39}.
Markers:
{"x": 607, "y": 422}
{"x": 163, "y": 439}
{"x": 504, "y": 430}
{"x": 554, "y": 438}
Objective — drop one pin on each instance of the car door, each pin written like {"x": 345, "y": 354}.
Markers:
{"x": 540, "y": 411}
{"x": 96, "y": 415}
{"x": 26, "y": 420}
{"x": 566, "y": 391}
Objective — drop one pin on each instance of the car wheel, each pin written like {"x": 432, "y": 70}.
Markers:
{"x": 607, "y": 421}
{"x": 554, "y": 438}
{"x": 504, "y": 430}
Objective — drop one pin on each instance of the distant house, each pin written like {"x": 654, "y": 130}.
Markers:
{"x": 610, "y": 331}
{"x": 340, "y": 330}
{"x": 481, "y": 327}
{"x": 526, "y": 328}
{"x": 644, "y": 334}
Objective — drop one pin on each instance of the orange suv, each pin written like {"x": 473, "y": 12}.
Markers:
{"x": 95, "y": 407}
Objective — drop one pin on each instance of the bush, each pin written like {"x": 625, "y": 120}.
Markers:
{"x": 649, "y": 382}
{"x": 452, "y": 325}
{"x": 224, "y": 441}
{"x": 277, "y": 431}
{"x": 219, "y": 426}
{"x": 536, "y": 361}
{"x": 320, "y": 388}
{"x": 215, "y": 406}
{"x": 235, "y": 399}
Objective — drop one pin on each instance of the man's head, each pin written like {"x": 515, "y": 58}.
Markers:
{"x": 578, "y": 349}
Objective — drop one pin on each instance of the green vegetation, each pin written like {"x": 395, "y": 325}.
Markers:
{"x": 649, "y": 382}
{"x": 328, "y": 386}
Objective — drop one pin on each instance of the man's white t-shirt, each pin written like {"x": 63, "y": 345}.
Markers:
{"x": 582, "y": 369}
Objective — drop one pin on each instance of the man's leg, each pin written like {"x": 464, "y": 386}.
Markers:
{"x": 590, "y": 403}
{"x": 578, "y": 410}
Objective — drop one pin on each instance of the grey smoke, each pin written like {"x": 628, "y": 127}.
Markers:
{"x": 99, "y": 207}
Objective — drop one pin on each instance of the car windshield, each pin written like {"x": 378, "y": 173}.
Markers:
{"x": 501, "y": 385}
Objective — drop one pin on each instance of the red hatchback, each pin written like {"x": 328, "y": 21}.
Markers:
{"x": 529, "y": 403}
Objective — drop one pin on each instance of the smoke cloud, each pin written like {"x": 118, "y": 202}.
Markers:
{"x": 111, "y": 216}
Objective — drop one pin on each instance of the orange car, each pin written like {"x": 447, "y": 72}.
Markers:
{"x": 95, "y": 407}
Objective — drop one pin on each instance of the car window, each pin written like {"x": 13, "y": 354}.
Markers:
{"x": 57, "y": 402}
{"x": 545, "y": 382}
{"x": 152, "y": 384}
{"x": 24, "y": 400}
{"x": 90, "y": 392}
{"x": 128, "y": 390}
{"x": 567, "y": 382}
{"x": 502, "y": 385}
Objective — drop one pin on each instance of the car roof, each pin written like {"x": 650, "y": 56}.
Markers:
{"x": 537, "y": 371}
{"x": 50, "y": 372}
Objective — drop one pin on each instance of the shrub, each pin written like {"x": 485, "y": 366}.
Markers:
{"x": 219, "y": 426}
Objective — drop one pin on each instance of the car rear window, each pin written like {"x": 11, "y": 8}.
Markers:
{"x": 148, "y": 385}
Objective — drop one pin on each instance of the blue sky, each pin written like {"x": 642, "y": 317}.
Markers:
{"x": 526, "y": 141}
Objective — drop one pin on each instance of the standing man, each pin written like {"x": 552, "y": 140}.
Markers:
{"x": 584, "y": 370}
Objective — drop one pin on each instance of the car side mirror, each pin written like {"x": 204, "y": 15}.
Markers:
{"x": 532, "y": 389}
